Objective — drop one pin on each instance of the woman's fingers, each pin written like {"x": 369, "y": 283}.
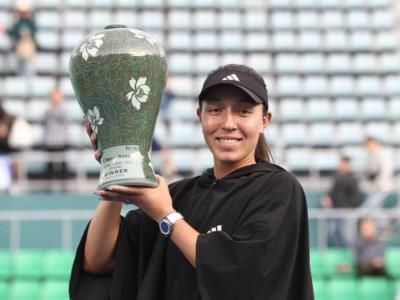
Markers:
{"x": 160, "y": 179}
{"x": 97, "y": 155}
{"x": 97, "y": 151}
{"x": 93, "y": 141}
{"x": 88, "y": 129}
{"x": 92, "y": 135}
{"x": 127, "y": 190}
{"x": 112, "y": 196}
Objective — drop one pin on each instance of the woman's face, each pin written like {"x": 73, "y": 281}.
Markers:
{"x": 231, "y": 123}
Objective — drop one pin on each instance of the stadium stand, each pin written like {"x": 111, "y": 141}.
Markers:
{"x": 24, "y": 289}
{"x": 344, "y": 288}
{"x": 54, "y": 284}
{"x": 375, "y": 288}
{"x": 393, "y": 261}
{"x": 331, "y": 67}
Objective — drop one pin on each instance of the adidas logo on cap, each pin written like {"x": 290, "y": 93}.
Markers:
{"x": 233, "y": 76}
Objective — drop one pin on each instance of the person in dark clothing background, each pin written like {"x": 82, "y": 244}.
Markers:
{"x": 6, "y": 162}
{"x": 238, "y": 231}
{"x": 343, "y": 194}
{"x": 369, "y": 250}
{"x": 23, "y": 36}
{"x": 55, "y": 136}
{"x": 6, "y": 122}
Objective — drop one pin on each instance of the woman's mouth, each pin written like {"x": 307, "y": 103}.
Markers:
{"x": 228, "y": 140}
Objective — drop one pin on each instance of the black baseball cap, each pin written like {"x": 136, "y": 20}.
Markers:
{"x": 243, "y": 80}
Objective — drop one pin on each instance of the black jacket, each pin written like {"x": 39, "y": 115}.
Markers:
{"x": 253, "y": 244}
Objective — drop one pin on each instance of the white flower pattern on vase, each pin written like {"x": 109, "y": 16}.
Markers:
{"x": 140, "y": 91}
{"x": 92, "y": 46}
{"x": 142, "y": 35}
{"x": 93, "y": 116}
{"x": 150, "y": 164}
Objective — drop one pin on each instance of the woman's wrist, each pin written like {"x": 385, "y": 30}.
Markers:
{"x": 110, "y": 204}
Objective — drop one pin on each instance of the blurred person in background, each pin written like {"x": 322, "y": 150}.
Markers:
{"x": 380, "y": 176}
{"x": 168, "y": 168}
{"x": 369, "y": 250}
{"x": 6, "y": 163}
{"x": 23, "y": 36}
{"x": 55, "y": 136}
{"x": 237, "y": 231}
{"x": 344, "y": 193}
{"x": 380, "y": 170}
{"x": 168, "y": 96}
{"x": 2, "y": 27}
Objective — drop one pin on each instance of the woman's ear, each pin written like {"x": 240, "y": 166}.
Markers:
{"x": 198, "y": 112}
{"x": 266, "y": 119}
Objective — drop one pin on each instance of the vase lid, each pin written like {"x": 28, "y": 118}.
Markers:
{"x": 112, "y": 26}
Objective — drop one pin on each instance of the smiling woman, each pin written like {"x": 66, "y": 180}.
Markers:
{"x": 238, "y": 231}
{"x": 233, "y": 124}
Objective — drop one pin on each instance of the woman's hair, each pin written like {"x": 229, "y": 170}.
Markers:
{"x": 263, "y": 152}
{"x": 2, "y": 110}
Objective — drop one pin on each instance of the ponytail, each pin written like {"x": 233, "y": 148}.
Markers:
{"x": 263, "y": 152}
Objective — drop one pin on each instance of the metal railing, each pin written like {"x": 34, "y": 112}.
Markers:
{"x": 322, "y": 216}
{"x": 68, "y": 217}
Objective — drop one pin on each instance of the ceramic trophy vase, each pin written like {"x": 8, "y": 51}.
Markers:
{"x": 118, "y": 76}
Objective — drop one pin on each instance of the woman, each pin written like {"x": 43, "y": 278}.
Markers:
{"x": 238, "y": 231}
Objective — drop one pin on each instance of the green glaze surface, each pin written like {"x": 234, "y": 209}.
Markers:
{"x": 119, "y": 76}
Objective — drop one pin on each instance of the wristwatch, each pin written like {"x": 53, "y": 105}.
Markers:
{"x": 167, "y": 223}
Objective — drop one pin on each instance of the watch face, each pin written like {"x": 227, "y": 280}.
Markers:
{"x": 165, "y": 227}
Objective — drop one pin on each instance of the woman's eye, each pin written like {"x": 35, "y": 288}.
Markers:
{"x": 245, "y": 112}
{"x": 214, "y": 110}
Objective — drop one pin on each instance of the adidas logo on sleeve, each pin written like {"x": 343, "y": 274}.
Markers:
{"x": 216, "y": 228}
{"x": 233, "y": 77}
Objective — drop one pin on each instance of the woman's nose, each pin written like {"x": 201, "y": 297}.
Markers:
{"x": 228, "y": 122}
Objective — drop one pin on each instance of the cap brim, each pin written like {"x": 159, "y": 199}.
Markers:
{"x": 252, "y": 95}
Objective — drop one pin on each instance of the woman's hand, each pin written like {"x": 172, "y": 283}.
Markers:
{"x": 93, "y": 141}
{"x": 155, "y": 202}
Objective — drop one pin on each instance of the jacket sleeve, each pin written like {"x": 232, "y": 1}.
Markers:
{"x": 84, "y": 285}
{"x": 132, "y": 253}
{"x": 261, "y": 258}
